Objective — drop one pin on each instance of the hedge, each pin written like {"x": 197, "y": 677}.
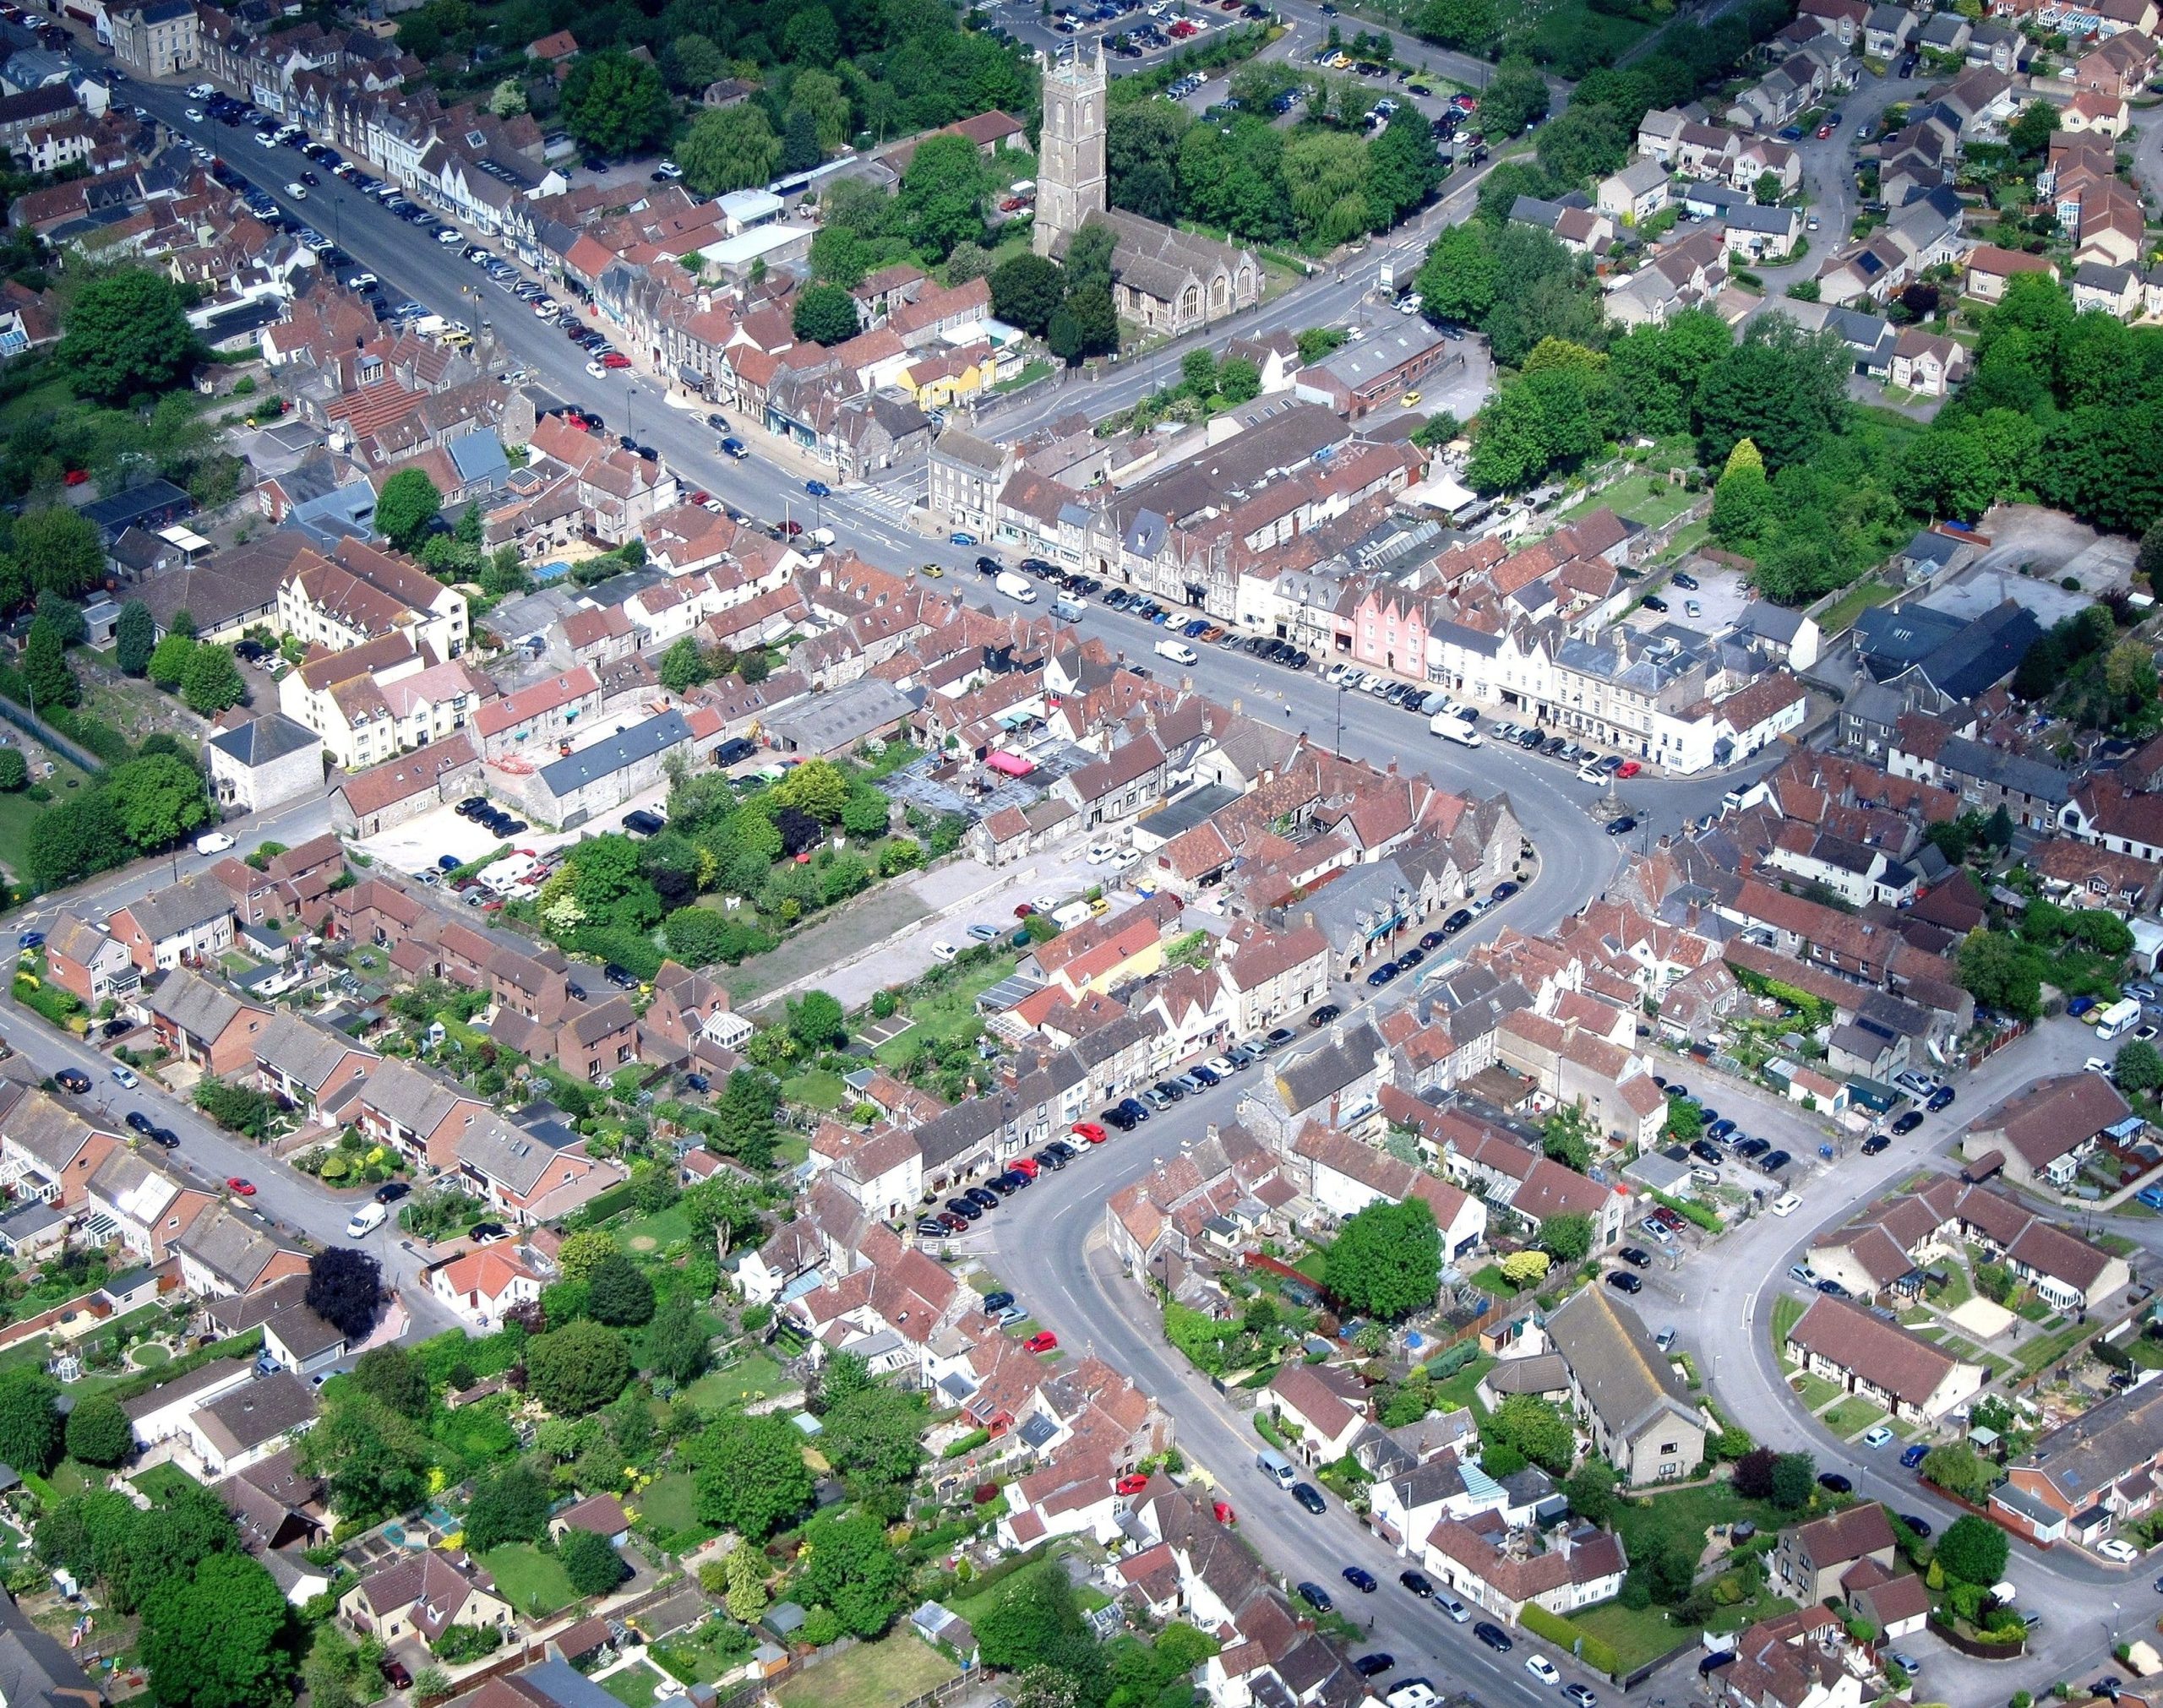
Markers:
{"x": 246, "y": 1345}
{"x": 1595, "y": 1652}
{"x": 603, "y": 1205}
{"x": 966, "y": 1444}
{"x": 1684, "y": 1207}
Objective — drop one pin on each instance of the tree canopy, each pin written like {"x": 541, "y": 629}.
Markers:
{"x": 1387, "y": 1259}
{"x": 126, "y": 333}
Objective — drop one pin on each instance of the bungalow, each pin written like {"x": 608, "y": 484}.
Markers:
{"x": 1324, "y": 1406}
{"x": 2041, "y": 1135}
{"x": 1883, "y": 1362}
{"x": 482, "y": 1285}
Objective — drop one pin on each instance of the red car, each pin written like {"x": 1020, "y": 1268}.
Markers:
{"x": 615, "y": 358}
{"x": 1043, "y": 1340}
{"x": 1629, "y": 768}
{"x": 1023, "y": 910}
{"x": 76, "y": 477}
{"x": 1131, "y": 1485}
{"x": 1012, "y": 204}
{"x": 1090, "y": 1130}
{"x": 1824, "y": 131}
{"x": 245, "y": 1188}
{"x": 1223, "y": 1514}
{"x": 1028, "y": 1167}
{"x": 701, "y": 497}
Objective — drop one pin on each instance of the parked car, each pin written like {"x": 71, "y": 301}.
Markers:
{"x": 1361, "y": 1580}
{"x": 1494, "y": 1636}
{"x": 1624, "y": 1283}
{"x": 1309, "y": 1496}
{"x": 1043, "y": 1340}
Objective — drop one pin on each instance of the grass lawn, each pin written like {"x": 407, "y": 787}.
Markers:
{"x": 655, "y": 1232}
{"x": 898, "y": 1668}
{"x": 1852, "y": 1416}
{"x": 752, "y": 1378}
{"x": 1648, "y": 500}
{"x": 821, "y": 1089}
{"x": 1682, "y": 1517}
{"x": 163, "y": 1481}
{"x": 1636, "y": 1634}
{"x": 1454, "y": 1390}
{"x": 1841, "y": 614}
{"x": 1816, "y": 1392}
{"x": 634, "y": 1687}
{"x": 2033, "y": 1355}
{"x": 1787, "y": 1312}
{"x": 533, "y": 1582}
{"x": 671, "y": 1505}
{"x": 1958, "y": 1289}
{"x": 1568, "y": 26}
{"x": 18, "y": 813}
{"x": 948, "y": 1013}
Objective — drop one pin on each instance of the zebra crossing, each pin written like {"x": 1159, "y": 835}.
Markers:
{"x": 893, "y": 501}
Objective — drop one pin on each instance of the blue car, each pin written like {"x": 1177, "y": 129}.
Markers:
{"x": 958, "y": 538}
{"x": 2152, "y": 1196}
{"x": 818, "y": 489}
{"x": 1383, "y": 974}
{"x": 734, "y": 448}
{"x": 1910, "y": 1457}
{"x": 30, "y": 939}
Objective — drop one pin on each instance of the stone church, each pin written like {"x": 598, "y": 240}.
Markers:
{"x": 1165, "y": 279}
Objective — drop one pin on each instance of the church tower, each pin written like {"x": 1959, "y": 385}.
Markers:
{"x": 1071, "y": 147}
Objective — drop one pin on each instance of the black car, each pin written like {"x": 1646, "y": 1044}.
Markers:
{"x": 1494, "y": 1636}
{"x": 1315, "y": 1597}
{"x": 1007, "y": 1185}
{"x": 1369, "y": 1666}
{"x": 1686, "y": 582}
{"x": 1361, "y": 1580}
{"x": 139, "y": 1122}
{"x": 1918, "y": 1524}
{"x": 1046, "y": 1160}
{"x": 1705, "y": 1152}
{"x": 1942, "y": 1098}
{"x": 931, "y": 1227}
{"x": 1909, "y": 1121}
{"x": 1751, "y": 1149}
{"x": 993, "y": 1304}
{"x": 1169, "y": 1090}
{"x": 74, "y": 1080}
{"x": 1418, "y": 1583}
{"x": 1412, "y": 957}
{"x": 486, "y": 1232}
{"x": 1309, "y": 1496}
{"x": 1623, "y": 826}
{"x": 988, "y": 566}
{"x": 1831, "y": 1289}
{"x": 1774, "y": 1162}
{"x": 1624, "y": 1283}
{"x": 982, "y": 1198}
{"x": 1383, "y": 974}
{"x": 1875, "y": 1142}
{"x": 1133, "y": 1108}
{"x": 1834, "y": 1483}
{"x": 1457, "y": 922}
{"x": 1433, "y": 939}
{"x": 962, "y": 1208}
{"x": 165, "y": 1137}
{"x": 1324, "y": 1014}
{"x": 391, "y": 1191}
{"x": 1117, "y": 1117}
{"x": 619, "y": 977}
{"x": 1655, "y": 602}
{"x": 1635, "y": 1256}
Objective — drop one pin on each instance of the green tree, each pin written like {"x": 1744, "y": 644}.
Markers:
{"x": 1959, "y": 1470}
{"x": 747, "y": 1586}
{"x": 691, "y": 61}
{"x": 1535, "y": 1428}
{"x": 1238, "y": 380}
{"x": 1026, "y": 291}
{"x": 590, "y": 1562}
{"x": 1973, "y": 1551}
{"x": 98, "y": 1432}
{"x": 852, "y": 1570}
{"x": 2139, "y": 1067}
{"x": 1587, "y": 141}
{"x": 873, "y": 1438}
{"x": 750, "y": 1474}
{"x": 406, "y": 508}
{"x": 585, "y": 1251}
{"x": 74, "y": 839}
{"x": 2030, "y": 135}
{"x": 617, "y": 104}
{"x": 168, "y": 665}
{"x": 44, "y": 668}
{"x": 799, "y": 141}
{"x": 578, "y": 1368}
{"x": 395, "y": 1377}
{"x": 728, "y": 149}
{"x": 57, "y": 550}
{"x": 744, "y": 1119}
{"x": 159, "y": 799}
{"x": 213, "y": 682}
{"x": 619, "y": 1293}
{"x": 1569, "y": 1237}
{"x": 826, "y": 314}
{"x": 1035, "y": 1621}
{"x": 134, "y": 637}
{"x": 817, "y": 787}
{"x": 509, "y": 1505}
{"x": 1782, "y": 388}
{"x": 218, "y": 1638}
{"x": 684, "y": 666}
{"x": 676, "y": 1341}
{"x": 821, "y": 94}
{"x": 125, "y": 334}
{"x": 66, "y": 617}
{"x": 942, "y": 192}
{"x": 1141, "y": 155}
{"x": 816, "y": 1022}
{"x": 1387, "y": 1259}
{"x": 14, "y": 770}
{"x": 2000, "y": 970}
{"x": 1566, "y": 1139}
{"x": 1515, "y": 98}
{"x": 1795, "y": 1475}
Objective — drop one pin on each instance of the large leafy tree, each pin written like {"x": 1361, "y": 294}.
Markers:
{"x": 852, "y": 1570}
{"x": 44, "y": 667}
{"x": 1530, "y": 1426}
{"x": 408, "y": 508}
{"x": 1515, "y": 96}
{"x": 125, "y": 334}
{"x": 74, "y": 839}
{"x": 1972, "y": 1550}
{"x": 871, "y": 1438}
{"x": 732, "y": 149}
{"x": 212, "y": 680}
{"x": 30, "y": 1426}
{"x": 1142, "y": 153}
{"x": 826, "y": 314}
{"x": 619, "y": 1293}
{"x": 1782, "y": 388}
{"x": 218, "y": 1637}
{"x": 942, "y": 193}
{"x": 509, "y": 1506}
{"x": 134, "y": 637}
{"x": 676, "y": 1341}
{"x": 750, "y": 1474}
{"x": 1387, "y": 1259}
{"x": 1402, "y": 168}
{"x": 99, "y": 1431}
{"x": 395, "y": 1377}
{"x": 1026, "y": 291}
{"x": 58, "y": 550}
{"x": 589, "y": 1562}
{"x": 617, "y": 104}
{"x": 374, "y": 1461}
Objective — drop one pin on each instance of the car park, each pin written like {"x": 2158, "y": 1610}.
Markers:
{"x": 1635, "y": 1256}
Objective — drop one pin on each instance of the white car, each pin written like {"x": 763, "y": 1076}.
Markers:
{"x": 2116, "y": 1548}
{"x": 213, "y": 842}
{"x": 944, "y": 951}
{"x": 1043, "y": 904}
{"x": 268, "y": 140}
{"x": 1542, "y": 1668}
{"x": 296, "y": 190}
{"x": 2097, "y": 1065}
{"x": 360, "y": 281}
{"x": 1878, "y": 1437}
{"x": 1786, "y": 1204}
{"x": 126, "y": 1076}
{"x": 1103, "y": 853}
{"x": 194, "y": 115}
{"x": 597, "y": 370}
{"x": 1221, "y": 1067}
{"x": 449, "y": 234}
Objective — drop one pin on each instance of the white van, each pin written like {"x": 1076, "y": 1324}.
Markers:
{"x": 1014, "y": 587}
{"x": 366, "y": 1219}
{"x": 1176, "y": 650}
{"x": 1276, "y": 1467}
{"x": 1454, "y": 729}
{"x": 1069, "y": 610}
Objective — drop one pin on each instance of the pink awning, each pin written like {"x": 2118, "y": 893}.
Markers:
{"x": 1010, "y": 765}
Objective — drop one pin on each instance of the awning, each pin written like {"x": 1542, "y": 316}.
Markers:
{"x": 1010, "y": 765}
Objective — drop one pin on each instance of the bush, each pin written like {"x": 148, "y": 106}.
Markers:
{"x": 1596, "y": 1652}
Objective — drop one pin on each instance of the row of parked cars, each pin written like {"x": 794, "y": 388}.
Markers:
{"x": 1391, "y": 970}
